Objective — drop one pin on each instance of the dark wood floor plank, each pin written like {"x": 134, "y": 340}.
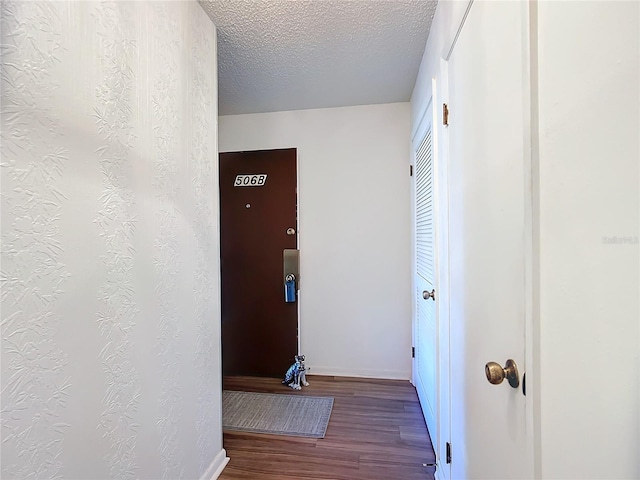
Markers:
{"x": 376, "y": 432}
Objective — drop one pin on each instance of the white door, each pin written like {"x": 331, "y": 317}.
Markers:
{"x": 489, "y": 238}
{"x": 425, "y": 328}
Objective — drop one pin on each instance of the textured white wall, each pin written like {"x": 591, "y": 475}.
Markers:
{"x": 354, "y": 231}
{"x": 110, "y": 303}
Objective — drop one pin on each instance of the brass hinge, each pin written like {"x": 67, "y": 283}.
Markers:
{"x": 411, "y": 170}
{"x": 445, "y": 114}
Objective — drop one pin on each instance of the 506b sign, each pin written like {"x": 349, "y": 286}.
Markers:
{"x": 257, "y": 180}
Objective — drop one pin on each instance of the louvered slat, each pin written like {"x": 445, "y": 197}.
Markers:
{"x": 424, "y": 208}
{"x": 426, "y": 339}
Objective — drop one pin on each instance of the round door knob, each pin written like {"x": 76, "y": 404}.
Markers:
{"x": 427, "y": 295}
{"x": 496, "y": 373}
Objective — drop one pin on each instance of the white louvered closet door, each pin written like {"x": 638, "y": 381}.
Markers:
{"x": 425, "y": 322}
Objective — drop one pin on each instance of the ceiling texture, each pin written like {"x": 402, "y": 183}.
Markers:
{"x": 276, "y": 55}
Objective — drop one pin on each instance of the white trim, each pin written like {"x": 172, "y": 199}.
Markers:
{"x": 437, "y": 254}
{"x": 420, "y": 128}
{"x": 449, "y": 46}
{"x": 298, "y": 210}
{"x": 442, "y": 271}
{"x": 531, "y": 238}
{"x": 216, "y": 467}
{"x": 360, "y": 373}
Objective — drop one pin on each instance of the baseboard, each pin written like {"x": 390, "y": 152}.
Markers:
{"x": 217, "y": 466}
{"x": 357, "y": 372}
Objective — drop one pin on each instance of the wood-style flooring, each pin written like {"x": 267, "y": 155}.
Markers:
{"x": 376, "y": 432}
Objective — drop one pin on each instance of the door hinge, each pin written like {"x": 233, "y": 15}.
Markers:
{"x": 413, "y": 352}
{"x": 448, "y": 452}
{"x": 445, "y": 114}
{"x": 411, "y": 170}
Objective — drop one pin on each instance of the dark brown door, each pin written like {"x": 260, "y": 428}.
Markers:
{"x": 258, "y": 204}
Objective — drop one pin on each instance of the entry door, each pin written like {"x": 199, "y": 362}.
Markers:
{"x": 490, "y": 233}
{"x": 425, "y": 333}
{"x": 258, "y": 221}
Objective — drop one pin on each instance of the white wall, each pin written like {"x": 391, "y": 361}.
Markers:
{"x": 110, "y": 303}
{"x": 582, "y": 370}
{"x": 354, "y": 231}
{"x": 589, "y": 90}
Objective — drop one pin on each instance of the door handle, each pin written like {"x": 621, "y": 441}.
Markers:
{"x": 291, "y": 269}
{"x": 496, "y": 374}
{"x": 290, "y": 288}
{"x": 432, "y": 294}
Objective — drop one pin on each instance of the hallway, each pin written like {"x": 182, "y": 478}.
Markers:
{"x": 376, "y": 431}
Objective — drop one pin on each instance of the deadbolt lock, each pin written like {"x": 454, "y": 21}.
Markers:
{"x": 496, "y": 374}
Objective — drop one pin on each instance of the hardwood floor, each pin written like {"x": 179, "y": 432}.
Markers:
{"x": 376, "y": 432}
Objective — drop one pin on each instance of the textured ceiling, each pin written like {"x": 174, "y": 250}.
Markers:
{"x": 278, "y": 55}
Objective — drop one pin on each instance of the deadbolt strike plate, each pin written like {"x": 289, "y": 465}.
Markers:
{"x": 291, "y": 263}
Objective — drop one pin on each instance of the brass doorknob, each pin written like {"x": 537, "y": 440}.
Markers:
{"x": 496, "y": 374}
{"x": 427, "y": 295}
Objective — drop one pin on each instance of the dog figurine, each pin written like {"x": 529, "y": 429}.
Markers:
{"x": 297, "y": 374}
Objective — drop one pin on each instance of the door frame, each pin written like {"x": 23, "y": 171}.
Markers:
{"x": 442, "y": 433}
{"x": 531, "y": 141}
{"x": 298, "y": 210}
{"x": 416, "y": 139}
{"x": 441, "y": 185}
